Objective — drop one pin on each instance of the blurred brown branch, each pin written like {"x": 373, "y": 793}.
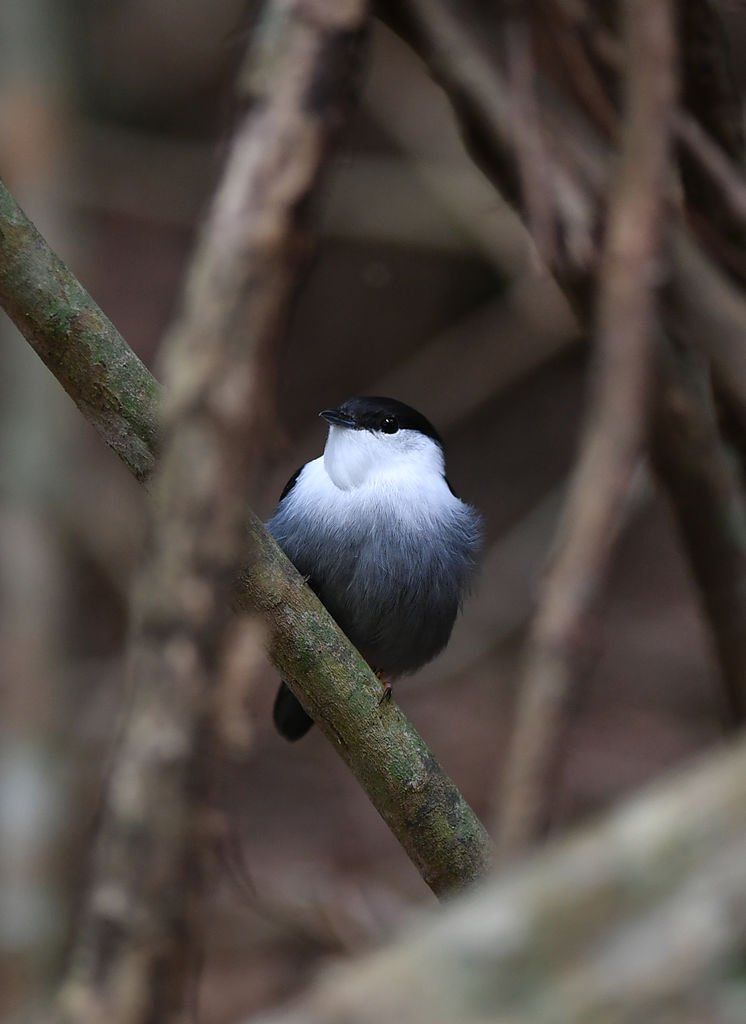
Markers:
{"x": 614, "y": 436}
{"x": 723, "y": 173}
{"x": 137, "y": 932}
{"x": 708, "y": 504}
{"x": 710, "y": 96}
{"x": 580, "y": 161}
{"x": 704, "y": 308}
{"x": 635, "y": 918}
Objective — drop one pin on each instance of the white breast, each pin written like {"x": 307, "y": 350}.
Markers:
{"x": 358, "y": 478}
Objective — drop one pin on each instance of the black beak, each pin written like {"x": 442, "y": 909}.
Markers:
{"x": 337, "y": 418}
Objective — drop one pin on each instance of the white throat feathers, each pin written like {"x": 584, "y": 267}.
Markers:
{"x": 356, "y": 457}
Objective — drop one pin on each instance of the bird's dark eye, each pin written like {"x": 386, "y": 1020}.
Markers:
{"x": 389, "y": 425}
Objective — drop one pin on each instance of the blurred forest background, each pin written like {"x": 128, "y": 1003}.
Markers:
{"x": 114, "y": 119}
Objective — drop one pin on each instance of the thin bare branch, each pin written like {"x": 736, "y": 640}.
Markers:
{"x": 615, "y": 430}
{"x": 531, "y": 153}
{"x": 712, "y": 159}
{"x": 490, "y": 118}
{"x": 710, "y": 94}
{"x": 423, "y": 808}
{"x": 708, "y": 504}
{"x": 704, "y": 308}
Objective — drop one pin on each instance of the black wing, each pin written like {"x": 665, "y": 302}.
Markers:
{"x": 291, "y": 482}
{"x": 285, "y": 491}
{"x": 291, "y": 721}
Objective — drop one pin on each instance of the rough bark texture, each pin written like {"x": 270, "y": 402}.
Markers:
{"x": 420, "y": 804}
{"x": 81, "y": 347}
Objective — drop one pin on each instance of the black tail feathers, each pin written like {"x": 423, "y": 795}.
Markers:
{"x": 291, "y": 721}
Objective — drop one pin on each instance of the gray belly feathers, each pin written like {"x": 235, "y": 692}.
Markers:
{"x": 392, "y": 586}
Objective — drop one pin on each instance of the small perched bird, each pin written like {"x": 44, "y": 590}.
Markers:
{"x": 383, "y": 540}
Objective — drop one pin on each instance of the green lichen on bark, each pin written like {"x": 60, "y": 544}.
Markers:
{"x": 424, "y": 809}
{"x": 76, "y": 341}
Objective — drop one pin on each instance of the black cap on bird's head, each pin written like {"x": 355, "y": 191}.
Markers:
{"x": 387, "y": 415}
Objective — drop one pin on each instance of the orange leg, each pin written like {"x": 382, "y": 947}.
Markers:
{"x": 387, "y": 687}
